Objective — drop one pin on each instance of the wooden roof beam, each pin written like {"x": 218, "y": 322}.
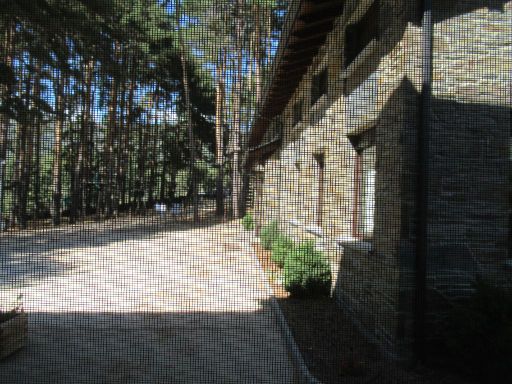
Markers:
{"x": 311, "y": 6}
{"x": 296, "y": 65}
{"x": 280, "y": 96}
{"x": 291, "y": 72}
{"x": 298, "y": 43}
{"x": 292, "y": 64}
{"x": 286, "y": 82}
{"x": 314, "y": 30}
{"x": 322, "y": 14}
{"x": 301, "y": 54}
{"x": 284, "y": 87}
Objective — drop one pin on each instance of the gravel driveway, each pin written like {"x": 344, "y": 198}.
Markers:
{"x": 143, "y": 302}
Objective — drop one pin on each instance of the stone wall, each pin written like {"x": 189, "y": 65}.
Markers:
{"x": 469, "y": 162}
{"x": 471, "y": 126}
{"x": 267, "y": 202}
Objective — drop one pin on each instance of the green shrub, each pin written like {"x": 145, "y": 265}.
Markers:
{"x": 477, "y": 336}
{"x": 248, "y": 222}
{"x": 306, "y": 272}
{"x": 268, "y": 233}
{"x": 281, "y": 247}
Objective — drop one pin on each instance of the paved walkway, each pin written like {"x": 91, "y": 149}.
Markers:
{"x": 143, "y": 303}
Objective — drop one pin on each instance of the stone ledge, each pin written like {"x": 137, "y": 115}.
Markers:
{"x": 352, "y": 243}
{"x": 312, "y": 229}
{"x": 359, "y": 60}
{"x": 318, "y": 110}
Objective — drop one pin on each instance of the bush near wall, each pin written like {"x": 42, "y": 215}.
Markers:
{"x": 307, "y": 273}
{"x": 268, "y": 234}
{"x": 282, "y": 246}
{"x": 248, "y": 222}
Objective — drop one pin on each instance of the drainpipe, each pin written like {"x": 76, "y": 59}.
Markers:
{"x": 2, "y": 221}
{"x": 422, "y": 243}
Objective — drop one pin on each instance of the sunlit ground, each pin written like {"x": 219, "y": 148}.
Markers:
{"x": 167, "y": 299}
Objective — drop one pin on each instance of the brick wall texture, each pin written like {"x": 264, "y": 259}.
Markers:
{"x": 468, "y": 163}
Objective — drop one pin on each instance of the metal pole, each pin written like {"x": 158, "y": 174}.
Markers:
{"x": 2, "y": 221}
{"x": 422, "y": 243}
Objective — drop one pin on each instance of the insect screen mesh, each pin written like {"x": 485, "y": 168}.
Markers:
{"x": 255, "y": 191}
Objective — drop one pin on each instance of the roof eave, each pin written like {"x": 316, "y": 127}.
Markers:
{"x": 306, "y": 27}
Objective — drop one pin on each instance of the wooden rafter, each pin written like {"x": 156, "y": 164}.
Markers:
{"x": 319, "y": 16}
{"x": 311, "y": 52}
{"x": 320, "y": 29}
{"x": 305, "y": 34}
{"x": 297, "y": 43}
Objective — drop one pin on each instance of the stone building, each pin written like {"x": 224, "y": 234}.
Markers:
{"x": 356, "y": 145}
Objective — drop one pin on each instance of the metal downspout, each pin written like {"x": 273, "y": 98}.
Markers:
{"x": 422, "y": 243}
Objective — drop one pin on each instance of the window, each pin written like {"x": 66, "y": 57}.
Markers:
{"x": 366, "y": 193}
{"x": 360, "y": 34}
{"x": 364, "y": 184}
{"x": 297, "y": 112}
{"x": 321, "y": 181}
{"x": 318, "y": 86}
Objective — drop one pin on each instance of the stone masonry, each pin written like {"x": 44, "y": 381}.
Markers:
{"x": 469, "y": 159}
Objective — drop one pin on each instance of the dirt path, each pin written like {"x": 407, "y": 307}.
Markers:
{"x": 140, "y": 303}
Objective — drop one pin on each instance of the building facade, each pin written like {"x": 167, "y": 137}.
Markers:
{"x": 358, "y": 148}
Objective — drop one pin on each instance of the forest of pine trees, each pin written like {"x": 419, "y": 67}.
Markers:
{"x": 110, "y": 106}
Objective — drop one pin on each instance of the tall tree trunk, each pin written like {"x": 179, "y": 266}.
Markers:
{"x": 126, "y": 133}
{"x": 165, "y": 154}
{"x": 109, "y": 149}
{"x": 5, "y": 93}
{"x": 235, "y": 133}
{"x": 120, "y": 176}
{"x": 70, "y": 94}
{"x": 20, "y": 182}
{"x": 57, "y": 152}
{"x": 88, "y": 163}
{"x": 143, "y": 138}
{"x": 188, "y": 116}
{"x": 267, "y": 45}
{"x": 258, "y": 56}
{"x": 172, "y": 183}
{"x": 37, "y": 163}
{"x": 190, "y": 131}
{"x": 76, "y": 165}
{"x": 163, "y": 180}
{"x": 92, "y": 175}
{"x": 219, "y": 135}
{"x": 6, "y": 89}
{"x": 19, "y": 154}
{"x": 130, "y": 120}
{"x": 154, "y": 152}
{"x": 80, "y": 174}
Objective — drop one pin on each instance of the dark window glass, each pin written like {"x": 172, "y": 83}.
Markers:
{"x": 366, "y": 193}
{"x": 318, "y": 86}
{"x": 297, "y": 112}
{"x": 320, "y": 161}
{"x": 364, "y": 208}
{"x": 360, "y": 34}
